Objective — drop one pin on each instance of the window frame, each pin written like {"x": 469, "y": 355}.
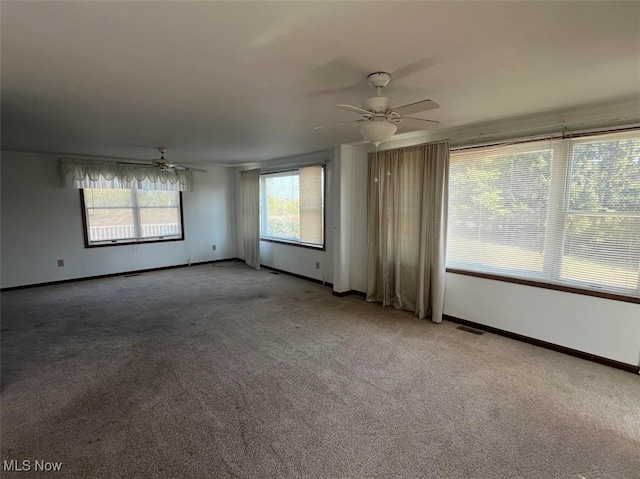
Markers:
{"x": 559, "y": 195}
{"x": 127, "y": 242}
{"x": 275, "y": 240}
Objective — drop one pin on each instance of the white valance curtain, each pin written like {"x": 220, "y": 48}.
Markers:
{"x": 109, "y": 174}
{"x": 250, "y": 207}
{"x": 408, "y": 191}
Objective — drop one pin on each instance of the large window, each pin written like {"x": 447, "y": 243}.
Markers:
{"x": 292, "y": 206}
{"x": 563, "y": 212}
{"x": 117, "y": 216}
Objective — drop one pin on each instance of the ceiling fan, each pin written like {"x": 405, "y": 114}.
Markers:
{"x": 164, "y": 164}
{"x": 380, "y": 117}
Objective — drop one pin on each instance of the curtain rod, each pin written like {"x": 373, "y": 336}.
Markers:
{"x": 292, "y": 166}
{"x": 435, "y": 142}
{"x": 551, "y": 136}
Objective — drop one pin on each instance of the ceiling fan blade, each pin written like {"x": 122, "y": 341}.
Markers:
{"x": 418, "y": 123}
{"x": 354, "y": 109}
{"x": 423, "y": 105}
{"x": 412, "y": 68}
{"x": 139, "y": 165}
{"x": 339, "y": 124}
{"x": 173, "y": 166}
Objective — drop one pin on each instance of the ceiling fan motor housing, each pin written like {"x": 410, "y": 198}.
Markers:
{"x": 379, "y": 79}
{"x": 378, "y": 104}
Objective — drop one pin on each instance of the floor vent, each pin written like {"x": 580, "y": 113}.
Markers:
{"x": 470, "y": 330}
{"x": 274, "y": 272}
{"x": 131, "y": 275}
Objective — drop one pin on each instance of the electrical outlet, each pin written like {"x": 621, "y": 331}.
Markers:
{"x": 60, "y": 263}
{"x": 213, "y": 247}
{"x": 317, "y": 264}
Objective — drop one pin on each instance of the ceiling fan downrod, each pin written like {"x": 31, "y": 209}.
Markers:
{"x": 379, "y": 80}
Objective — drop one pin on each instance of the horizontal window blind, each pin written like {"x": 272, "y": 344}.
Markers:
{"x": 601, "y": 215}
{"x": 311, "y": 205}
{"x": 559, "y": 211}
{"x": 498, "y": 202}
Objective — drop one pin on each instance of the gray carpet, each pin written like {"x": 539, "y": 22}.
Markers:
{"x": 229, "y": 372}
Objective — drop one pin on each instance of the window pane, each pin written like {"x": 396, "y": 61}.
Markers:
{"x": 96, "y": 198}
{"x": 158, "y": 198}
{"x": 282, "y": 196}
{"x": 605, "y": 176}
{"x": 110, "y": 224}
{"x": 130, "y": 215}
{"x": 292, "y": 205}
{"x": 156, "y": 222}
{"x": 580, "y": 226}
{"x": 497, "y": 209}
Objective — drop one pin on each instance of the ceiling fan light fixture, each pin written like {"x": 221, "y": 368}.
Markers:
{"x": 377, "y": 131}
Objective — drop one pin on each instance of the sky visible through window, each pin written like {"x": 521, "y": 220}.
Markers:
{"x": 284, "y": 187}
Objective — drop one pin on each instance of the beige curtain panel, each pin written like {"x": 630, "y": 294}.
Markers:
{"x": 250, "y": 207}
{"x": 407, "y": 224}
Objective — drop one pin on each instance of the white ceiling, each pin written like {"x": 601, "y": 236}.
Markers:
{"x": 234, "y": 82}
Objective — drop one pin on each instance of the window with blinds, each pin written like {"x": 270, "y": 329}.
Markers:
{"x": 292, "y": 206}
{"x": 564, "y": 211}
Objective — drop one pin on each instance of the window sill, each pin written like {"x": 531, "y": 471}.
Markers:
{"x": 132, "y": 242}
{"x": 294, "y": 243}
{"x": 540, "y": 284}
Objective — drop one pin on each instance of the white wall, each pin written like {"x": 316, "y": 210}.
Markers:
{"x": 342, "y": 208}
{"x": 602, "y": 327}
{"x": 290, "y": 258}
{"x": 41, "y": 223}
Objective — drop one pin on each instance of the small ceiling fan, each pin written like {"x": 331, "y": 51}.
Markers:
{"x": 164, "y": 164}
{"x": 380, "y": 117}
